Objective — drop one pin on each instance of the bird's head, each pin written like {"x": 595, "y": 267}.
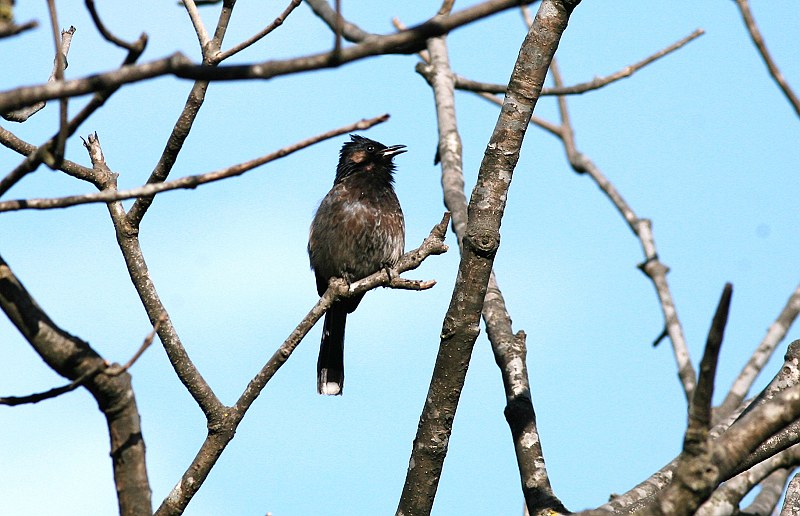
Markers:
{"x": 361, "y": 154}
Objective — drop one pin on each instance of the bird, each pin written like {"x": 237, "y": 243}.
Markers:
{"x": 357, "y": 230}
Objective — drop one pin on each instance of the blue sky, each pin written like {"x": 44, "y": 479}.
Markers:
{"x": 701, "y": 142}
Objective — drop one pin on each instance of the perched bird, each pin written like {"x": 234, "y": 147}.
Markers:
{"x": 357, "y": 230}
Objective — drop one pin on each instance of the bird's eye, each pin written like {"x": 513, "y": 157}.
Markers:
{"x": 370, "y": 148}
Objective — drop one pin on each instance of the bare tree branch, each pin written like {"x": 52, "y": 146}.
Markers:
{"x": 35, "y": 155}
{"x": 191, "y": 108}
{"x": 509, "y": 348}
{"x": 642, "y": 228}
{"x": 10, "y": 29}
{"x": 221, "y": 430}
{"x": 187, "y": 182}
{"x": 758, "y": 41}
{"x": 104, "y": 367}
{"x": 348, "y": 30}
{"x": 109, "y": 36}
{"x": 220, "y": 56}
{"x": 791, "y": 504}
{"x": 197, "y": 22}
{"x": 24, "y": 113}
{"x": 479, "y": 246}
{"x": 695, "y": 476}
{"x": 9, "y": 140}
{"x": 462, "y": 83}
{"x": 13, "y": 401}
{"x": 770, "y": 493}
{"x": 177, "y": 64}
{"x": 73, "y": 358}
{"x": 775, "y": 335}
{"x": 726, "y": 499}
{"x": 128, "y": 240}
{"x": 740, "y": 457}
{"x": 54, "y": 158}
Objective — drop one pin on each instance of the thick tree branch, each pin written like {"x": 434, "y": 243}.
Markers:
{"x": 509, "y": 348}
{"x": 770, "y": 492}
{"x": 773, "y": 441}
{"x": 479, "y": 246}
{"x": 74, "y": 359}
{"x": 791, "y": 505}
{"x": 177, "y": 64}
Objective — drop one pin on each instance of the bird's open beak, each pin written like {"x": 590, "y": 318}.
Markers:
{"x": 394, "y": 150}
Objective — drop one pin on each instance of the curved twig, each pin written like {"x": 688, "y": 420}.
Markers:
{"x": 652, "y": 266}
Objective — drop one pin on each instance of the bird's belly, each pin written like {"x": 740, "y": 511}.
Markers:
{"x": 363, "y": 240}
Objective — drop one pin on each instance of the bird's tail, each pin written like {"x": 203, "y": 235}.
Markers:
{"x": 330, "y": 364}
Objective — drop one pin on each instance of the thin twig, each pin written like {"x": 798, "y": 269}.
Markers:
{"x": 104, "y": 368}
{"x": 12, "y": 401}
{"x": 187, "y": 182}
{"x": 115, "y": 370}
{"x": 10, "y": 29}
{"x": 266, "y": 30}
{"x": 53, "y": 159}
{"x": 642, "y": 228}
{"x": 462, "y": 83}
{"x": 107, "y": 34}
{"x": 758, "y": 40}
{"x": 424, "y": 71}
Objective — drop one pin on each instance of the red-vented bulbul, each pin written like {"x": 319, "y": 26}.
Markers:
{"x": 357, "y": 230}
